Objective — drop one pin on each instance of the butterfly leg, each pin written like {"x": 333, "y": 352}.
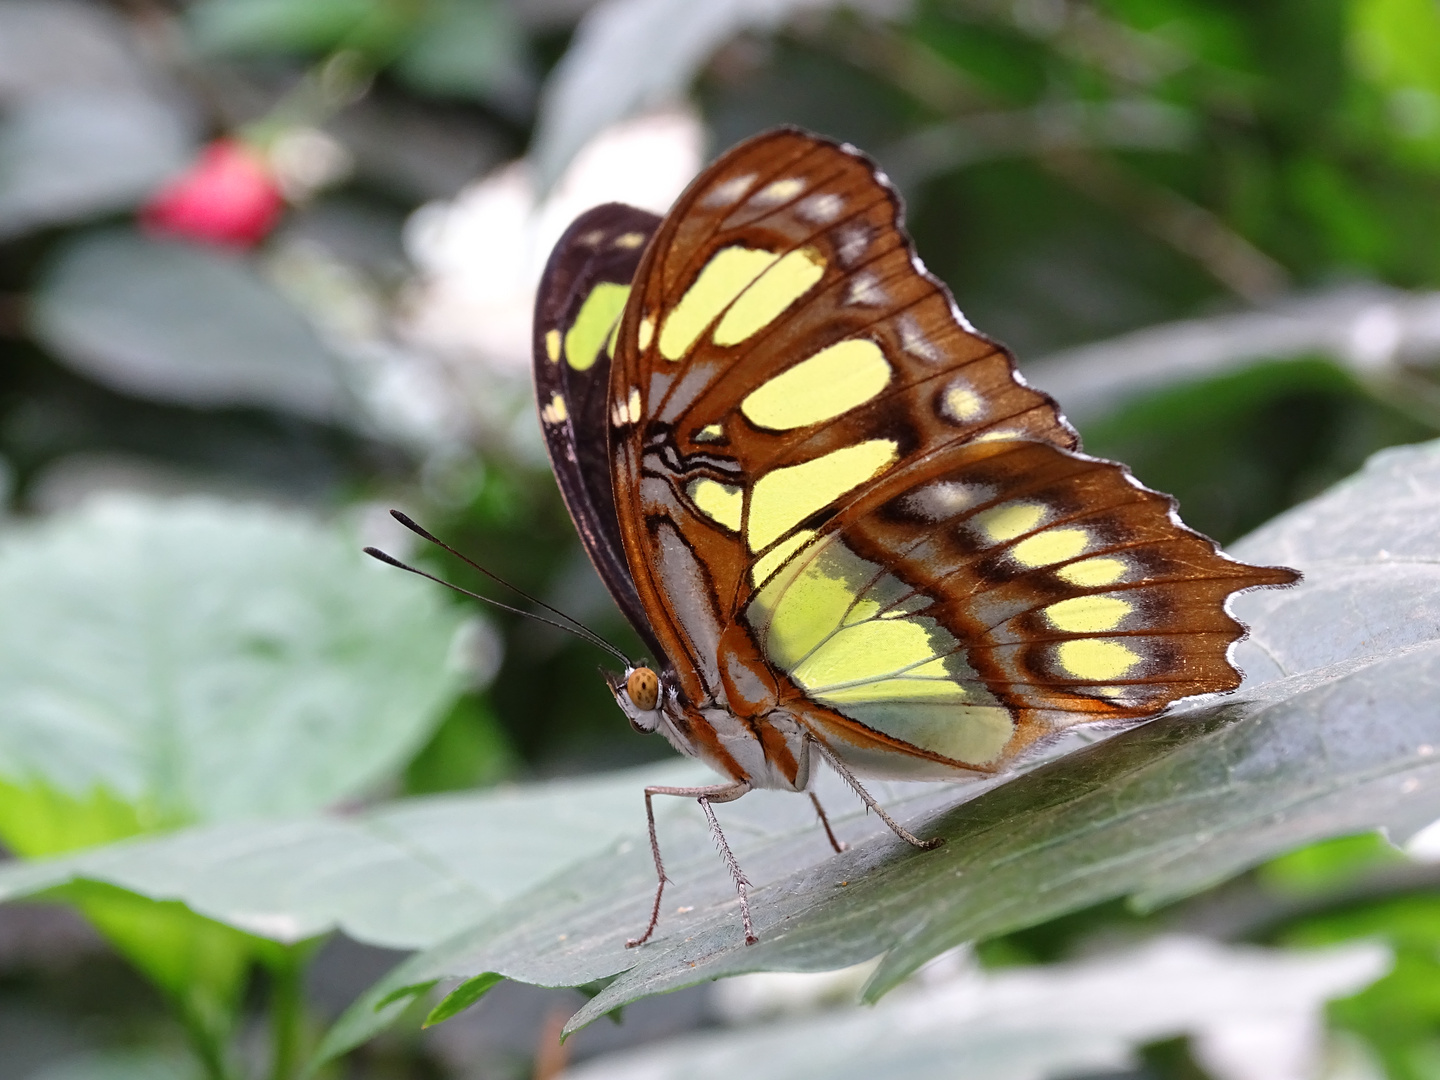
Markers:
{"x": 838, "y": 845}
{"x": 742, "y": 883}
{"x": 706, "y": 795}
{"x": 869, "y": 800}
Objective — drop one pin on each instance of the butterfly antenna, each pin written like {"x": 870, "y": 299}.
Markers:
{"x": 386, "y": 557}
{"x": 411, "y": 524}
{"x": 572, "y": 624}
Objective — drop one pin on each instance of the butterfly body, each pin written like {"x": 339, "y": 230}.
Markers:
{"x": 842, "y": 523}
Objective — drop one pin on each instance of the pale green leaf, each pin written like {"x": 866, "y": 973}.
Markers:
{"x": 406, "y": 875}
{"x": 1018, "y": 1024}
{"x": 207, "y": 661}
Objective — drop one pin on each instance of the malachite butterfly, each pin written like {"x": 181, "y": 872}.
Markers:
{"x": 844, "y": 526}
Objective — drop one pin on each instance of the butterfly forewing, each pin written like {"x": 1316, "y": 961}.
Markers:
{"x": 581, "y": 298}
{"x": 834, "y": 493}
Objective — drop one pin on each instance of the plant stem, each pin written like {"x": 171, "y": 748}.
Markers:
{"x": 287, "y": 1015}
{"x": 209, "y": 1047}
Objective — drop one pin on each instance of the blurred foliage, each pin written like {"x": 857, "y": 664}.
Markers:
{"x": 1074, "y": 169}
{"x": 1240, "y": 447}
{"x": 446, "y": 48}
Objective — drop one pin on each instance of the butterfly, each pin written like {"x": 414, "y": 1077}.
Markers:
{"x": 844, "y": 526}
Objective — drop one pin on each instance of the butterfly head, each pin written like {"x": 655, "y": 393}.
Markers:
{"x": 638, "y": 694}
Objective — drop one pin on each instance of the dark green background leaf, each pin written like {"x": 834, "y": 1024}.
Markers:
{"x": 68, "y": 156}
{"x": 184, "y": 323}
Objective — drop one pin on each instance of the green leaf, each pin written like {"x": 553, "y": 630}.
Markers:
{"x": 1398, "y": 1016}
{"x": 1370, "y": 552}
{"x": 82, "y": 153}
{"x": 462, "y": 997}
{"x": 177, "y": 950}
{"x": 284, "y": 26}
{"x": 1336, "y": 734}
{"x": 470, "y": 48}
{"x": 570, "y": 929}
{"x": 1155, "y": 813}
{"x": 406, "y": 875}
{"x": 172, "y": 662}
{"x": 182, "y": 323}
{"x": 36, "y": 819}
{"x": 202, "y": 966}
{"x": 357, "y": 1026}
{"x": 1396, "y": 42}
{"x": 1062, "y": 1020}
{"x": 203, "y": 661}
{"x": 121, "y": 1065}
{"x": 1329, "y": 865}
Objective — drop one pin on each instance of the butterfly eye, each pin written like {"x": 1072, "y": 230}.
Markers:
{"x": 643, "y": 687}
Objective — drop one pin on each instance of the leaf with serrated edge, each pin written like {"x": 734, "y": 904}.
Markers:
{"x": 1153, "y": 813}
{"x": 1159, "y": 811}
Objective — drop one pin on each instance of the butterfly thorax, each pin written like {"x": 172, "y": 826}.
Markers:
{"x": 741, "y": 730}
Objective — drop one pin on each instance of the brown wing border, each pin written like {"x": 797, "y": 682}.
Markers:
{"x": 578, "y": 445}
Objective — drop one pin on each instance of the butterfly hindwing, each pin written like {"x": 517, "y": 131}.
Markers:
{"x": 995, "y": 594}
{"x": 833, "y": 493}
{"x": 581, "y": 298}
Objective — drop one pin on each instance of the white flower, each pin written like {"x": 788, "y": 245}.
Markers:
{"x": 480, "y": 255}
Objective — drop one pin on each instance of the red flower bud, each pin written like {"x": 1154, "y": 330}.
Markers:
{"x": 228, "y": 196}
